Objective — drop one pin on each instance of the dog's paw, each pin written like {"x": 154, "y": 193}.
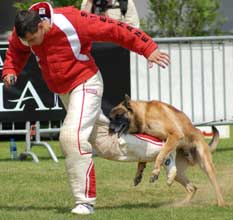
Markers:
{"x": 137, "y": 180}
{"x": 154, "y": 178}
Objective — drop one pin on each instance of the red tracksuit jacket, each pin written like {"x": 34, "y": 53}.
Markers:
{"x": 64, "y": 56}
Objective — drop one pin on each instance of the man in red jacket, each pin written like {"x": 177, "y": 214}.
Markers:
{"x": 61, "y": 38}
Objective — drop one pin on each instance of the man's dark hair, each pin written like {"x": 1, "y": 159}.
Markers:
{"x": 26, "y": 21}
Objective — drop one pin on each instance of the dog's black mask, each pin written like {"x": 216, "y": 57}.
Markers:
{"x": 119, "y": 124}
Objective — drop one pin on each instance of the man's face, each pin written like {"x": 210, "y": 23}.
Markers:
{"x": 35, "y": 38}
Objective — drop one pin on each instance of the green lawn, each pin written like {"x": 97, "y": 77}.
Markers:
{"x": 41, "y": 191}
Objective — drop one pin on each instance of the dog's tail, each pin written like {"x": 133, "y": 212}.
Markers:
{"x": 214, "y": 142}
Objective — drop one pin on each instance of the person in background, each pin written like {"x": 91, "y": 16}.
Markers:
{"x": 60, "y": 39}
{"x": 121, "y": 10}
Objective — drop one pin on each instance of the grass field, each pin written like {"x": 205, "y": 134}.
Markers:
{"x": 41, "y": 191}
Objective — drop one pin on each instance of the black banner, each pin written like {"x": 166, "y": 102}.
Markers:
{"x": 30, "y": 99}
{"x": 114, "y": 64}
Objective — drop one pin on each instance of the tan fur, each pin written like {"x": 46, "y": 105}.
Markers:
{"x": 163, "y": 121}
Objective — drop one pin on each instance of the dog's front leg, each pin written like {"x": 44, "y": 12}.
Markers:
{"x": 138, "y": 176}
{"x": 169, "y": 146}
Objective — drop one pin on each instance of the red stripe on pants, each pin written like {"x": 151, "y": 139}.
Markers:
{"x": 80, "y": 123}
{"x": 90, "y": 182}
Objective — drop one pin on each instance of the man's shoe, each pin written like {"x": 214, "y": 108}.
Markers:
{"x": 83, "y": 209}
{"x": 170, "y": 166}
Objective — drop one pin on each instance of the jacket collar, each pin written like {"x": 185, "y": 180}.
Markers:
{"x": 45, "y": 11}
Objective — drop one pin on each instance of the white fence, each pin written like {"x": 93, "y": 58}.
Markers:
{"x": 198, "y": 81}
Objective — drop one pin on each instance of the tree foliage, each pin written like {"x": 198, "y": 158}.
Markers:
{"x": 172, "y": 18}
{"x": 76, "y": 3}
{"x": 25, "y": 4}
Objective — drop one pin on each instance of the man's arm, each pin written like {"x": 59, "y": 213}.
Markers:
{"x": 100, "y": 28}
{"x": 15, "y": 60}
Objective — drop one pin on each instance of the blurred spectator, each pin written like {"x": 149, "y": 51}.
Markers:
{"x": 121, "y": 10}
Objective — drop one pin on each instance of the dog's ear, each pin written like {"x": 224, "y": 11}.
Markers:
{"x": 127, "y": 98}
{"x": 126, "y": 102}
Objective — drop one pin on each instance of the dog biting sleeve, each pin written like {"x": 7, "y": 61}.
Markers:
{"x": 126, "y": 148}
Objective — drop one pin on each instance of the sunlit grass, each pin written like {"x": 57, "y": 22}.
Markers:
{"x": 41, "y": 191}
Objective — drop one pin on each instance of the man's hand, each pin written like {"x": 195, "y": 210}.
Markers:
{"x": 10, "y": 80}
{"x": 160, "y": 58}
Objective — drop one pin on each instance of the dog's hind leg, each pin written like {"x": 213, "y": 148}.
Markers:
{"x": 182, "y": 164}
{"x": 205, "y": 162}
{"x": 190, "y": 188}
{"x": 138, "y": 176}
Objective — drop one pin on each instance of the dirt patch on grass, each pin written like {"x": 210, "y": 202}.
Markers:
{"x": 205, "y": 193}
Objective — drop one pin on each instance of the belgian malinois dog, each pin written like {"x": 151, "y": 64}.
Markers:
{"x": 167, "y": 123}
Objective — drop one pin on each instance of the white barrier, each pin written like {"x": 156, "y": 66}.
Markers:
{"x": 198, "y": 80}
{"x": 13, "y": 130}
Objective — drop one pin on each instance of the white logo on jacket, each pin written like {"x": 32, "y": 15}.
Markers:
{"x": 68, "y": 29}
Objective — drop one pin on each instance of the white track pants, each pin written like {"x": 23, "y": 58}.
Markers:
{"x": 83, "y": 109}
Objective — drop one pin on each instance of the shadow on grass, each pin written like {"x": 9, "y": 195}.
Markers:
{"x": 224, "y": 149}
{"x": 137, "y": 205}
{"x": 42, "y": 158}
{"x": 68, "y": 209}
{"x": 35, "y": 208}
